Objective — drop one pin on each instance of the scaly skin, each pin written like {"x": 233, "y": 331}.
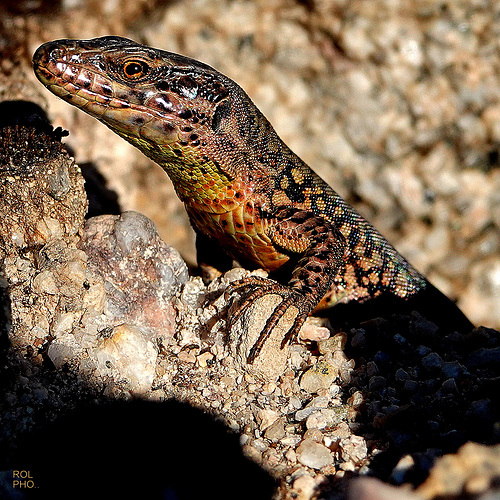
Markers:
{"x": 242, "y": 186}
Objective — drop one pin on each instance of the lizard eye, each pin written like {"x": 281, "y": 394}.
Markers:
{"x": 135, "y": 69}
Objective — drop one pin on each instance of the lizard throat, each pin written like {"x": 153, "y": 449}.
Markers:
{"x": 198, "y": 180}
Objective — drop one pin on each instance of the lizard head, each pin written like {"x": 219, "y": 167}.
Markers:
{"x": 176, "y": 110}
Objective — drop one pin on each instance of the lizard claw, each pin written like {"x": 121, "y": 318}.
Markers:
{"x": 253, "y": 288}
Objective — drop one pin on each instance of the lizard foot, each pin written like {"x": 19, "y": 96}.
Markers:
{"x": 253, "y": 288}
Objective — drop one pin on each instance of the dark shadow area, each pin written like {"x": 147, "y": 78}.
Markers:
{"x": 430, "y": 383}
{"x": 430, "y": 303}
{"x": 28, "y": 114}
{"x": 140, "y": 449}
{"x": 102, "y": 200}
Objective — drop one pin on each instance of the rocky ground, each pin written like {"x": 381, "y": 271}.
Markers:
{"x": 111, "y": 351}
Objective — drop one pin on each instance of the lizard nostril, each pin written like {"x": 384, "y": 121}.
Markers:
{"x": 56, "y": 53}
{"x": 48, "y": 52}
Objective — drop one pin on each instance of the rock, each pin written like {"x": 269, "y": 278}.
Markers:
{"x": 377, "y": 383}
{"x": 484, "y": 357}
{"x": 314, "y": 455}
{"x": 432, "y": 361}
{"x": 141, "y": 272}
{"x": 271, "y": 361}
{"x": 44, "y": 282}
{"x": 332, "y": 344}
{"x": 63, "y": 349}
{"x": 318, "y": 402}
{"x": 321, "y": 375}
{"x": 369, "y": 488}
{"x": 265, "y": 418}
{"x": 449, "y": 386}
{"x": 402, "y": 375}
{"x": 359, "y": 338}
{"x": 186, "y": 357}
{"x": 452, "y": 369}
{"x": 315, "y": 435}
{"x": 276, "y": 430}
{"x": 204, "y": 359}
{"x": 312, "y": 330}
{"x": 129, "y": 357}
{"x": 372, "y": 368}
{"x": 316, "y": 420}
{"x": 356, "y": 400}
{"x": 353, "y": 449}
{"x": 304, "y": 413}
{"x": 193, "y": 293}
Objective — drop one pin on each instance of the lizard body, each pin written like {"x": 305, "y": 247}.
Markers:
{"x": 242, "y": 187}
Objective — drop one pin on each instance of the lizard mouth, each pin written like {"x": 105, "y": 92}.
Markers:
{"x": 64, "y": 73}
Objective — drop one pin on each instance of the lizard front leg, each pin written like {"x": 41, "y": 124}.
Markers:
{"x": 319, "y": 249}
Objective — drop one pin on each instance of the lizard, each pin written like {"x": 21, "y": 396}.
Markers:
{"x": 244, "y": 190}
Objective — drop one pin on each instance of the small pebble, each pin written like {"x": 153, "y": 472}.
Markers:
{"x": 353, "y": 449}
{"x": 452, "y": 369}
{"x": 432, "y": 361}
{"x": 204, "y": 358}
{"x": 186, "y": 356}
{"x": 358, "y": 340}
{"x": 318, "y": 402}
{"x": 316, "y": 420}
{"x": 401, "y": 375}
{"x": 276, "y": 430}
{"x": 449, "y": 386}
{"x": 113, "y": 357}
{"x": 265, "y": 418}
{"x": 321, "y": 375}
{"x": 314, "y": 455}
{"x": 314, "y": 332}
{"x": 377, "y": 383}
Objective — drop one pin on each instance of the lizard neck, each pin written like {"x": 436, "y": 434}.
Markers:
{"x": 198, "y": 179}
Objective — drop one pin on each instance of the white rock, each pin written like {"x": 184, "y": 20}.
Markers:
{"x": 353, "y": 449}
{"x": 62, "y": 349}
{"x": 314, "y": 455}
{"x": 311, "y": 331}
{"x": 45, "y": 282}
{"x": 128, "y": 355}
{"x": 319, "y": 376}
{"x": 316, "y": 421}
{"x": 63, "y": 322}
